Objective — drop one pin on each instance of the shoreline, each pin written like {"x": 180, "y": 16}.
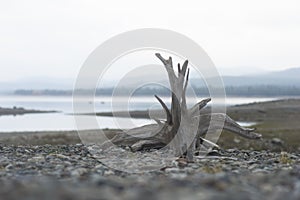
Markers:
{"x": 276, "y": 120}
{"x": 144, "y": 114}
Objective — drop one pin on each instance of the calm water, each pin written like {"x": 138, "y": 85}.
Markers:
{"x": 65, "y": 121}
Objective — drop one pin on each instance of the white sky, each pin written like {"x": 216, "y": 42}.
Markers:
{"x": 53, "y": 38}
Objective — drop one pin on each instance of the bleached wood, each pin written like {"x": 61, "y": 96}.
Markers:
{"x": 184, "y": 129}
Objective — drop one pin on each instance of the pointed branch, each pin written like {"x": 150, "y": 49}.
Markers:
{"x": 176, "y": 88}
{"x": 157, "y": 121}
{"x": 169, "y": 116}
{"x": 164, "y": 61}
{"x": 198, "y": 106}
{"x": 178, "y": 69}
{"x": 182, "y": 74}
{"x": 183, "y": 103}
{"x": 216, "y": 121}
{"x": 208, "y": 144}
{"x": 184, "y": 67}
{"x": 186, "y": 80}
{"x": 169, "y": 67}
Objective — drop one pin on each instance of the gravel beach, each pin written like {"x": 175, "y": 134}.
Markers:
{"x": 72, "y": 172}
{"x": 55, "y": 165}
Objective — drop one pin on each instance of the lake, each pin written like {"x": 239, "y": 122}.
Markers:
{"x": 65, "y": 121}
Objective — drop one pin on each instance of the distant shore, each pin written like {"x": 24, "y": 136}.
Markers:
{"x": 255, "y": 112}
{"x": 21, "y": 111}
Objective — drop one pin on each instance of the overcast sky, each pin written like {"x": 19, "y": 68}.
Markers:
{"x": 53, "y": 38}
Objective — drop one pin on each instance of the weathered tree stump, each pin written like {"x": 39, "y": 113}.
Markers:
{"x": 184, "y": 128}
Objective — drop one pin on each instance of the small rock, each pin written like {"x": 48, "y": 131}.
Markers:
{"x": 172, "y": 170}
{"x": 236, "y": 140}
{"x": 61, "y": 156}
{"x": 213, "y": 153}
{"x": 252, "y": 166}
{"x": 277, "y": 141}
{"x": 36, "y": 159}
{"x": 181, "y": 162}
{"x": 79, "y": 172}
{"x": 109, "y": 172}
{"x": 259, "y": 171}
{"x": 9, "y": 167}
{"x": 20, "y": 164}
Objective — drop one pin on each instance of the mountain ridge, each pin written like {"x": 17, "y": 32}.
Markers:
{"x": 287, "y": 77}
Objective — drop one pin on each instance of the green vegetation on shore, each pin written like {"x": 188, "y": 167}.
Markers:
{"x": 277, "y": 121}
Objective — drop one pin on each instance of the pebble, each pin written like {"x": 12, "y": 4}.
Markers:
{"x": 9, "y": 167}
{"x": 79, "y": 172}
{"x": 36, "y": 159}
{"x": 277, "y": 141}
{"x": 64, "y": 171}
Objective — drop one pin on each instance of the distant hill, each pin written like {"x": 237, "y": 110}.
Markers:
{"x": 292, "y": 72}
{"x": 289, "y": 77}
{"x": 286, "y": 78}
{"x": 37, "y": 84}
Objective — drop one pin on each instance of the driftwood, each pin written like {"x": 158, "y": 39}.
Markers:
{"x": 184, "y": 128}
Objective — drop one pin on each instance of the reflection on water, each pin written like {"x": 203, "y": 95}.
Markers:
{"x": 64, "y": 121}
